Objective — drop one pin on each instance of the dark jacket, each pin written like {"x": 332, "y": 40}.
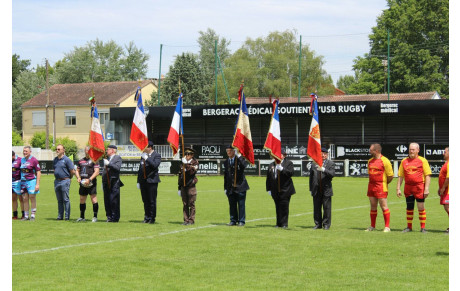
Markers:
{"x": 112, "y": 170}
{"x": 285, "y": 177}
{"x": 325, "y": 187}
{"x": 190, "y": 174}
{"x": 229, "y": 174}
{"x": 151, "y": 169}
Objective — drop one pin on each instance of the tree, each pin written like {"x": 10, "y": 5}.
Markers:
{"x": 344, "y": 83}
{"x": 38, "y": 140}
{"x": 419, "y": 49}
{"x": 192, "y": 83}
{"x": 27, "y": 85}
{"x": 70, "y": 146}
{"x": 270, "y": 66}
{"x": 102, "y": 62}
{"x": 18, "y": 66}
{"x": 207, "y": 59}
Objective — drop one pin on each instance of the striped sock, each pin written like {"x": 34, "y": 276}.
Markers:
{"x": 409, "y": 217}
{"x": 26, "y": 214}
{"x": 422, "y": 218}
{"x": 373, "y": 217}
{"x": 386, "y": 217}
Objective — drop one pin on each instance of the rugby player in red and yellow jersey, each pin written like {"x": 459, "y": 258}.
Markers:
{"x": 443, "y": 190}
{"x": 416, "y": 171}
{"x": 380, "y": 175}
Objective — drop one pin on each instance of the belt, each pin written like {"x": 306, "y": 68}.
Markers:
{"x": 62, "y": 179}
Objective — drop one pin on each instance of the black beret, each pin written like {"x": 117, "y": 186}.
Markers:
{"x": 150, "y": 145}
{"x": 112, "y": 146}
{"x": 324, "y": 150}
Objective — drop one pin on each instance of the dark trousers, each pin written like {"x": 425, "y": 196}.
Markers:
{"x": 149, "y": 198}
{"x": 324, "y": 202}
{"x": 282, "y": 210}
{"x": 188, "y": 195}
{"x": 112, "y": 200}
{"x": 236, "y": 201}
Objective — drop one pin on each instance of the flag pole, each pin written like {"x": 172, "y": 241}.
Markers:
{"x": 182, "y": 136}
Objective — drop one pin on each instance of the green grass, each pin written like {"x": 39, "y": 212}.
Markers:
{"x": 60, "y": 255}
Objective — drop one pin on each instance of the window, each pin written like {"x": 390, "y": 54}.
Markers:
{"x": 103, "y": 117}
{"x": 38, "y": 118}
{"x": 70, "y": 118}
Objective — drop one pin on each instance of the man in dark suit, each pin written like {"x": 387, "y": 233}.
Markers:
{"x": 147, "y": 181}
{"x": 321, "y": 190}
{"x": 111, "y": 184}
{"x": 235, "y": 188}
{"x": 280, "y": 186}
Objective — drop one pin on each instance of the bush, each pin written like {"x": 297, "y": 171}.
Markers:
{"x": 38, "y": 140}
{"x": 69, "y": 144}
{"x": 17, "y": 139}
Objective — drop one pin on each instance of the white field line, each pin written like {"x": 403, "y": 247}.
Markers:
{"x": 169, "y": 233}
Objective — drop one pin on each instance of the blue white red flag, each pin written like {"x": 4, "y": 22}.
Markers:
{"x": 176, "y": 127}
{"x": 96, "y": 138}
{"x": 242, "y": 139}
{"x": 139, "y": 135}
{"x": 314, "y": 137}
{"x": 273, "y": 141}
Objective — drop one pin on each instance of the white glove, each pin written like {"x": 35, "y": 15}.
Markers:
{"x": 184, "y": 160}
{"x": 179, "y": 193}
{"x": 279, "y": 167}
{"x": 138, "y": 186}
{"x": 269, "y": 193}
{"x": 225, "y": 192}
{"x": 320, "y": 169}
{"x": 106, "y": 162}
{"x": 144, "y": 156}
{"x": 237, "y": 153}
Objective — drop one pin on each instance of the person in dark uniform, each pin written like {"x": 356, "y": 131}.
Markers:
{"x": 321, "y": 190}
{"x": 187, "y": 186}
{"x": 87, "y": 172}
{"x": 111, "y": 184}
{"x": 147, "y": 181}
{"x": 235, "y": 188}
{"x": 280, "y": 186}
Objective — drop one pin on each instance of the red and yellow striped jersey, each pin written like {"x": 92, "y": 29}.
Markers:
{"x": 379, "y": 170}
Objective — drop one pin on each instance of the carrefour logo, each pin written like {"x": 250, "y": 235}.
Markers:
{"x": 401, "y": 148}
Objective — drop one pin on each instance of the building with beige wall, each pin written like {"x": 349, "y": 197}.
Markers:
{"x": 70, "y": 108}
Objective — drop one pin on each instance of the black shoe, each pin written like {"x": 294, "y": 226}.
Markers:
{"x": 284, "y": 226}
{"x": 146, "y": 221}
{"x": 152, "y": 222}
{"x": 317, "y": 227}
{"x": 231, "y": 223}
{"x": 59, "y": 218}
{"x": 109, "y": 220}
{"x": 276, "y": 226}
{"x": 326, "y": 227}
{"x": 241, "y": 224}
{"x": 191, "y": 223}
{"x": 422, "y": 230}
{"x": 185, "y": 223}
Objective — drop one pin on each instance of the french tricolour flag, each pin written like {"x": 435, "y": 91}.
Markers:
{"x": 176, "y": 127}
{"x": 242, "y": 139}
{"x": 314, "y": 137}
{"x": 139, "y": 136}
{"x": 273, "y": 141}
{"x": 96, "y": 139}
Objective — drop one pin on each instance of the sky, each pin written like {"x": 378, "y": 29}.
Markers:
{"x": 335, "y": 29}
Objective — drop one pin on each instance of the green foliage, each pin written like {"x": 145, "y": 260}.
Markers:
{"x": 70, "y": 145}
{"x": 254, "y": 257}
{"x": 38, "y": 140}
{"x": 16, "y": 138}
{"x": 192, "y": 83}
{"x": 102, "y": 62}
{"x": 270, "y": 66}
{"x": 27, "y": 85}
{"x": 419, "y": 49}
{"x": 344, "y": 83}
{"x": 18, "y": 66}
{"x": 206, "y": 57}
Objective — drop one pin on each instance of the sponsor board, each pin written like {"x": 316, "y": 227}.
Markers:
{"x": 433, "y": 152}
{"x": 264, "y": 165}
{"x": 357, "y": 168}
{"x": 355, "y": 152}
{"x": 210, "y": 151}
